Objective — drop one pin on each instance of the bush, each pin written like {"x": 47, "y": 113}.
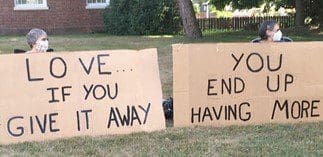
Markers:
{"x": 141, "y": 17}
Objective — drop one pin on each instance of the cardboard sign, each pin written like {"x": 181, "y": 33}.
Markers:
{"x": 246, "y": 83}
{"x": 57, "y": 95}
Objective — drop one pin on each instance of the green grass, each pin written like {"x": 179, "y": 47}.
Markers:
{"x": 264, "y": 140}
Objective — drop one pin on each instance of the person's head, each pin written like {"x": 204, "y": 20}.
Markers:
{"x": 37, "y": 40}
{"x": 269, "y": 31}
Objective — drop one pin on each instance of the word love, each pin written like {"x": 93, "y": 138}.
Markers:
{"x": 58, "y": 67}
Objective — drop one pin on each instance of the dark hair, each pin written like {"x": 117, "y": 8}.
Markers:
{"x": 266, "y": 25}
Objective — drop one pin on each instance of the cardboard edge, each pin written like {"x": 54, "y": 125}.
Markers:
{"x": 181, "y": 84}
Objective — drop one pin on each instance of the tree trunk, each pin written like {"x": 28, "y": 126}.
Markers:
{"x": 191, "y": 28}
{"x": 300, "y": 17}
{"x": 321, "y": 14}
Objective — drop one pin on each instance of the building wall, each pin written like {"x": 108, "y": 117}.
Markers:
{"x": 63, "y": 16}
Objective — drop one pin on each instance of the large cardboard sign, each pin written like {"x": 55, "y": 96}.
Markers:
{"x": 57, "y": 95}
{"x": 246, "y": 83}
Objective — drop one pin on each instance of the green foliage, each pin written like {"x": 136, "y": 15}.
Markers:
{"x": 283, "y": 3}
{"x": 313, "y": 9}
{"x": 196, "y": 8}
{"x": 246, "y": 4}
{"x": 141, "y": 17}
{"x": 238, "y": 4}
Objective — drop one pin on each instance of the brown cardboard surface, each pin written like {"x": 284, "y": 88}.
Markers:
{"x": 197, "y": 103}
{"x": 127, "y": 95}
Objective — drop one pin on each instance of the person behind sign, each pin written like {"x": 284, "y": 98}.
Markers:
{"x": 37, "y": 40}
{"x": 269, "y": 31}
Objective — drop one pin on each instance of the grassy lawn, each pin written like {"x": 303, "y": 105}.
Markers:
{"x": 265, "y": 140}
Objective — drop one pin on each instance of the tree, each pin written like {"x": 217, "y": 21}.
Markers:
{"x": 238, "y": 4}
{"x": 314, "y": 10}
{"x": 191, "y": 27}
{"x": 142, "y": 17}
{"x": 300, "y": 17}
{"x": 242, "y": 4}
{"x": 305, "y": 8}
{"x": 320, "y": 12}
